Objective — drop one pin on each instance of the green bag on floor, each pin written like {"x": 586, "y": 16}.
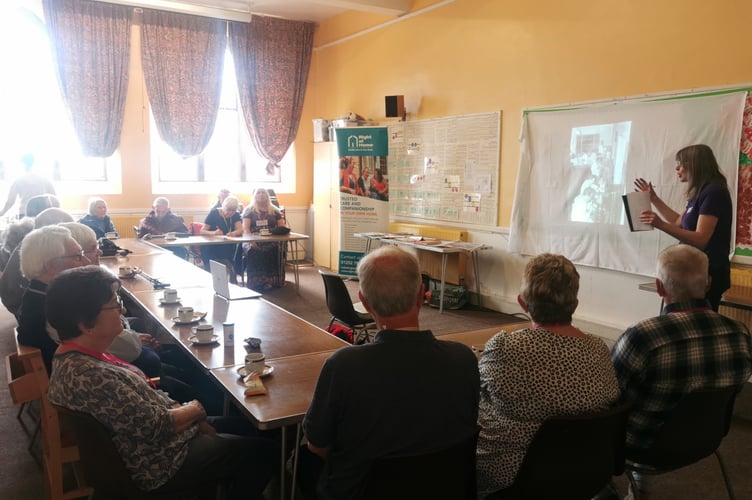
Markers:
{"x": 455, "y": 296}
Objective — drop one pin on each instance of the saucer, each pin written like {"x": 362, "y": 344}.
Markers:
{"x": 266, "y": 371}
{"x": 197, "y": 316}
{"x": 166, "y": 303}
{"x": 127, "y": 276}
{"x": 196, "y": 341}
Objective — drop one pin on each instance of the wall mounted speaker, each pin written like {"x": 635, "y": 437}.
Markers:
{"x": 395, "y": 106}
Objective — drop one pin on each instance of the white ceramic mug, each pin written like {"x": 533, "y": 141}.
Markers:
{"x": 170, "y": 295}
{"x": 111, "y": 236}
{"x": 255, "y": 362}
{"x": 170, "y": 236}
{"x": 185, "y": 313}
{"x": 204, "y": 333}
{"x": 228, "y": 329}
{"x": 125, "y": 270}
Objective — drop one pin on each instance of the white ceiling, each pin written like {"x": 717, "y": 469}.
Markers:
{"x": 299, "y": 10}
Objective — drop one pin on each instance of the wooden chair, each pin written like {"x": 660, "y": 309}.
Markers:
{"x": 28, "y": 381}
{"x": 692, "y": 431}
{"x": 28, "y": 403}
{"x": 571, "y": 457}
{"x": 104, "y": 468}
{"x": 444, "y": 473}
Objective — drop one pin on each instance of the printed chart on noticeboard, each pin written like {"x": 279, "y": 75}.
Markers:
{"x": 445, "y": 169}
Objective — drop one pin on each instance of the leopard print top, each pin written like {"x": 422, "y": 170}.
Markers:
{"x": 525, "y": 377}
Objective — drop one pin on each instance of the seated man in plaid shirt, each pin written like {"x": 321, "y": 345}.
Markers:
{"x": 688, "y": 347}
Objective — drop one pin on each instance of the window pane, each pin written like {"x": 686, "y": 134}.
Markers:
{"x": 35, "y": 119}
{"x": 222, "y": 154}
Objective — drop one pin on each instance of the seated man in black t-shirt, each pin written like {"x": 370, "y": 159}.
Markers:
{"x": 401, "y": 401}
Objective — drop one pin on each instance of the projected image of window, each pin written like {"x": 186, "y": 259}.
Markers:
{"x": 597, "y": 157}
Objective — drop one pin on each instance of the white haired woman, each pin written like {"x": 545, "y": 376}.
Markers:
{"x": 97, "y": 218}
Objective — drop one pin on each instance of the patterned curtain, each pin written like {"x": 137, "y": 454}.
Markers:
{"x": 91, "y": 45}
{"x": 183, "y": 58}
{"x": 272, "y": 57}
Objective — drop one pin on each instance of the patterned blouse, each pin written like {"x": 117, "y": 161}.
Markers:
{"x": 136, "y": 414}
{"x": 525, "y": 377}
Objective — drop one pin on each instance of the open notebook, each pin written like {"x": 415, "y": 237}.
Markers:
{"x": 223, "y": 287}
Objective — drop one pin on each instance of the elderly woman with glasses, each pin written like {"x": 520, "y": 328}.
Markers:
{"x": 166, "y": 446}
{"x": 705, "y": 223}
{"x": 97, "y": 218}
{"x": 45, "y": 253}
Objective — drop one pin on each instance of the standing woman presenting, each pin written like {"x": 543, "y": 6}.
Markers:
{"x": 706, "y": 221}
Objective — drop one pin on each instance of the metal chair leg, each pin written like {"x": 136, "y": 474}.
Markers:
{"x": 633, "y": 485}
{"x": 726, "y": 478}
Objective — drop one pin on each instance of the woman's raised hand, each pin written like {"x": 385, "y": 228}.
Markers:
{"x": 643, "y": 185}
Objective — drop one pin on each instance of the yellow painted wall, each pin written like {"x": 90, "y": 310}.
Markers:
{"x": 475, "y": 56}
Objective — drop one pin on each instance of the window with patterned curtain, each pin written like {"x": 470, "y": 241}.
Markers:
{"x": 229, "y": 159}
{"x": 35, "y": 120}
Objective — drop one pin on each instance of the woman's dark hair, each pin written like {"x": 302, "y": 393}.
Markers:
{"x": 701, "y": 166}
{"x": 77, "y": 296}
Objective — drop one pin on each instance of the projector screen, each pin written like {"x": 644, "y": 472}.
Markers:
{"x": 576, "y": 163}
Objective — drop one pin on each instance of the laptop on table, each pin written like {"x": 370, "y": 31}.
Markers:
{"x": 223, "y": 287}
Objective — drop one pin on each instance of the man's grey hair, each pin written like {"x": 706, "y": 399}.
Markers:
{"x": 83, "y": 234}
{"x": 161, "y": 200}
{"x": 93, "y": 202}
{"x": 390, "y": 280}
{"x": 40, "y": 247}
{"x": 52, "y": 216}
{"x": 683, "y": 271}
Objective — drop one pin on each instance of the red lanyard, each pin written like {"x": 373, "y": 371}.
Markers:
{"x": 109, "y": 358}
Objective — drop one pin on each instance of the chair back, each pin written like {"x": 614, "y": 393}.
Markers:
{"x": 102, "y": 466}
{"x": 340, "y": 304}
{"x": 572, "y": 457}
{"x": 693, "y": 430}
{"x": 105, "y": 470}
{"x": 27, "y": 380}
{"x": 444, "y": 473}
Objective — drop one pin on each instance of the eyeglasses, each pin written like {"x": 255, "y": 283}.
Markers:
{"x": 119, "y": 305}
{"x": 76, "y": 256}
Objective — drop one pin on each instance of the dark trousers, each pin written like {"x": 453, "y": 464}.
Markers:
{"x": 236, "y": 456}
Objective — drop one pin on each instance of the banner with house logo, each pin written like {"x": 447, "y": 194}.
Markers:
{"x": 364, "y": 190}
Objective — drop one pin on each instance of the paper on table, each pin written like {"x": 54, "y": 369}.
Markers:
{"x": 634, "y": 204}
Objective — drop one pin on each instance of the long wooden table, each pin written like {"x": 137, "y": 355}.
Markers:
{"x": 476, "y": 338}
{"x": 290, "y": 240}
{"x": 282, "y": 334}
{"x": 294, "y": 347}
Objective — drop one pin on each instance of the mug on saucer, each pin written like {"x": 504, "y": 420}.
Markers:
{"x": 170, "y": 295}
{"x": 204, "y": 333}
{"x": 255, "y": 362}
{"x": 185, "y": 313}
{"x": 125, "y": 270}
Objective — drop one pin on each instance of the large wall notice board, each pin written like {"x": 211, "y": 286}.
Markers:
{"x": 445, "y": 169}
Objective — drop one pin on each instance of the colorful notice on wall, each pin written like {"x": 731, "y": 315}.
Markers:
{"x": 364, "y": 190}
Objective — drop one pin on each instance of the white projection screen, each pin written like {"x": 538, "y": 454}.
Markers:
{"x": 576, "y": 163}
